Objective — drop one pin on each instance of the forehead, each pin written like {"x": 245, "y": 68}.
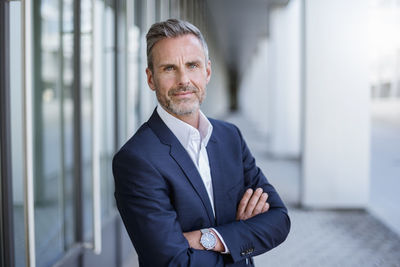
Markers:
{"x": 182, "y": 46}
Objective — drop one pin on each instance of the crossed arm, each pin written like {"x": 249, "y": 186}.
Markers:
{"x": 251, "y": 204}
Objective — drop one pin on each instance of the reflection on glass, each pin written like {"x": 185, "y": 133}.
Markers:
{"x": 87, "y": 131}
{"x": 107, "y": 109}
{"x": 133, "y": 77}
{"x": 47, "y": 147}
{"x": 16, "y": 132}
{"x": 53, "y": 134}
{"x": 67, "y": 122}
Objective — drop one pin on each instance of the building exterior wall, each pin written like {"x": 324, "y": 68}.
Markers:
{"x": 336, "y": 149}
{"x": 270, "y": 91}
{"x": 89, "y": 95}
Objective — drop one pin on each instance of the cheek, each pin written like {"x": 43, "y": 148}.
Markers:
{"x": 165, "y": 83}
{"x": 200, "y": 80}
{"x": 200, "y": 84}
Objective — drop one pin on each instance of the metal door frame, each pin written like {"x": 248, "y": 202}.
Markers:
{"x": 6, "y": 201}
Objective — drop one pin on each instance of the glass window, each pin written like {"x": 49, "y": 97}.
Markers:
{"x": 67, "y": 122}
{"x": 48, "y": 131}
{"x": 133, "y": 79}
{"x": 86, "y": 115}
{"x": 105, "y": 31}
{"x": 16, "y": 132}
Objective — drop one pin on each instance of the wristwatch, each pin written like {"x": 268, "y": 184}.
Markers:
{"x": 208, "y": 239}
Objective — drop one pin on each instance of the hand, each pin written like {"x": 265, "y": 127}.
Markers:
{"x": 194, "y": 241}
{"x": 252, "y": 204}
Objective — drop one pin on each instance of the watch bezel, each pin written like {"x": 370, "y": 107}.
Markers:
{"x": 204, "y": 243}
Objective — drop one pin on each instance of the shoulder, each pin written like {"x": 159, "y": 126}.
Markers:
{"x": 143, "y": 142}
{"x": 223, "y": 128}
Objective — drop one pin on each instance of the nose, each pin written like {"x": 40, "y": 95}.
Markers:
{"x": 183, "y": 78}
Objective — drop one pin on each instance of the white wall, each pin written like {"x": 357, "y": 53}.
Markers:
{"x": 216, "y": 103}
{"x": 337, "y": 127}
{"x": 284, "y": 80}
{"x": 270, "y": 89}
{"x": 254, "y": 91}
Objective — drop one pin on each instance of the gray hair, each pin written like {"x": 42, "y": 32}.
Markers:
{"x": 170, "y": 29}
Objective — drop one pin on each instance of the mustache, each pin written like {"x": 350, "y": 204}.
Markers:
{"x": 187, "y": 88}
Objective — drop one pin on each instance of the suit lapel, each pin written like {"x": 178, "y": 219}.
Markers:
{"x": 182, "y": 158}
{"x": 185, "y": 162}
{"x": 217, "y": 174}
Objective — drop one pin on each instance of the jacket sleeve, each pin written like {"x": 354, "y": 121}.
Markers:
{"x": 142, "y": 197}
{"x": 261, "y": 233}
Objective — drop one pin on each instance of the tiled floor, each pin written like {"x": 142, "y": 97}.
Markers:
{"x": 334, "y": 238}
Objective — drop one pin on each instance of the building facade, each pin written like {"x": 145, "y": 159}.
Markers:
{"x": 73, "y": 90}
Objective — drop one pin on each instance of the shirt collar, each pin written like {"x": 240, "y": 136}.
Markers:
{"x": 184, "y": 131}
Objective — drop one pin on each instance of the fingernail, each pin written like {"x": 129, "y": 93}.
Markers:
{"x": 264, "y": 194}
{"x": 249, "y": 190}
{"x": 259, "y": 190}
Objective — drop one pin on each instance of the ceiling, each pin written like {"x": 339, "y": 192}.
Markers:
{"x": 239, "y": 25}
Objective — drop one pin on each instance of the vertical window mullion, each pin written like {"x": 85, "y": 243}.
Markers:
{"x": 6, "y": 202}
{"x": 79, "y": 236}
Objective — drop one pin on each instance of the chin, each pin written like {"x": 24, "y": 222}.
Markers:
{"x": 183, "y": 110}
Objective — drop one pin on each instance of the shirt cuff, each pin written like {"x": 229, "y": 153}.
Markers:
{"x": 223, "y": 242}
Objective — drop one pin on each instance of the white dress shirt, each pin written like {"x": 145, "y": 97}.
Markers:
{"x": 195, "y": 142}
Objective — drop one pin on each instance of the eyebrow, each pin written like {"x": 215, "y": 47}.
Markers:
{"x": 193, "y": 62}
{"x": 167, "y": 65}
{"x": 164, "y": 65}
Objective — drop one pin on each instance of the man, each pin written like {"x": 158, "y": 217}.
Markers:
{"x": 187, "y": 187}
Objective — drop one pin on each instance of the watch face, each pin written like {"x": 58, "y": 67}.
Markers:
{"x": 208, "y": 240}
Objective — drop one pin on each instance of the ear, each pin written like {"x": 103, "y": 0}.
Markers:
{"x": 208, "y": 71}
{"x": 150, "y": 79}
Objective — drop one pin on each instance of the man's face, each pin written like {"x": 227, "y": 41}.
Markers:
{"x": 180, "y": 74}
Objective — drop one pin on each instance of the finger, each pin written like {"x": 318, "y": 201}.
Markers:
{"x": 243, "y": 203}
{"x": 253, "y": 202}
{"x": 266, "y": 207}
{"x": 260, "y": 204}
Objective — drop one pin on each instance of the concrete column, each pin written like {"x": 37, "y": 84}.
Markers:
{"x": 270, "y": 88}
{"x": 336, "y": 148}
{"x": 284, "y": 80}
{"x": 216, "y": 104}
{"x": 254, "y": 91}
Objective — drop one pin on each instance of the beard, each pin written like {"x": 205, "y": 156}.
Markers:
{"x": 184, "y": 106}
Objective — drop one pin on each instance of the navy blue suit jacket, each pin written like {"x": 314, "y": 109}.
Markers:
{"x": 160, "y": 195}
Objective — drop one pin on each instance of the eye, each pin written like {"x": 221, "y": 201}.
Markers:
{"x": 193, "y": 66}
{"x": 169, "y": 68}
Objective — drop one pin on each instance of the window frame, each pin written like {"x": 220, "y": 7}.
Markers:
{"x": 7, "y": 249}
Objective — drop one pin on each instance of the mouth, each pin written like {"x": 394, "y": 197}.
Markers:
{"x": 183, "y": 94}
